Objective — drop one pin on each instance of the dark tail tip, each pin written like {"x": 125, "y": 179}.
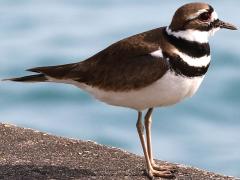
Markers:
{"x": 31, "y": 78}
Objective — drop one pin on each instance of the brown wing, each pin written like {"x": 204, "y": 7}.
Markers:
{"x": 122, "y": 66}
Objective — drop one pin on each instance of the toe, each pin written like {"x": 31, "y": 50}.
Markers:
{"x": 165, "y": 168}
{"x": 162, "y": 174}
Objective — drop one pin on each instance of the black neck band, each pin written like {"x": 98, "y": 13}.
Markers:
{"x": 191, "y": 48}
{"x": 180, "y": 67}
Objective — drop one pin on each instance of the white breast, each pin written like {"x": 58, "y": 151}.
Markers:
{"x": 168, "y": 90}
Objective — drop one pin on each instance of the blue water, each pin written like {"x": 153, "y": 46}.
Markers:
{"x": 203, "y": 131}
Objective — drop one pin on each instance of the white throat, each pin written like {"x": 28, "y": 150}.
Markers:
{"x": 193, "y": 35}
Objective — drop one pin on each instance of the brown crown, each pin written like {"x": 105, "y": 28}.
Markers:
{"x": 181, "y": 17}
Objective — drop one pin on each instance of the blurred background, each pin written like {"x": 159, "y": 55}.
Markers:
{"x": 203, "y": 131}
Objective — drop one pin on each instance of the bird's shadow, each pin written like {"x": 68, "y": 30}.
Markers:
{"x": 42, "y": 172}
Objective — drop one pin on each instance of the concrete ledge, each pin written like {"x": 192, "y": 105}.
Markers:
{"x": 29, "y": 154}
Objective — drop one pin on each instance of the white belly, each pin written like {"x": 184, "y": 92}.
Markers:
{"x": 168, "y": 90}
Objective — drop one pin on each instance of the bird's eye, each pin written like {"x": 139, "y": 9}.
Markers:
{"x": 205, "y": 16}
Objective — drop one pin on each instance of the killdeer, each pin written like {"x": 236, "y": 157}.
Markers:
{"x": 160, "y": 67}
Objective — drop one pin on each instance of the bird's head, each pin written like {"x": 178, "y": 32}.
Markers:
{"x": 196, "y": 22}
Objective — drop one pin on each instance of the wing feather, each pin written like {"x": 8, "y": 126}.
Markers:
{"x": 125, "y": 65}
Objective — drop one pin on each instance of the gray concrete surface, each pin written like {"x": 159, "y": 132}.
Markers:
{"x": 29, "y": 154}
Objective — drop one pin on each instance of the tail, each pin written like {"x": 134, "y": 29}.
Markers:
{"x": 31, "y": 78}
{"x": 54, "y": 72}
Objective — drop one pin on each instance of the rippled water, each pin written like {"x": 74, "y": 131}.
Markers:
{"x": 202, "y": 131}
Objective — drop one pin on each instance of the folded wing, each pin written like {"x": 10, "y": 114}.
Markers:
{"x": 125, "y": 65}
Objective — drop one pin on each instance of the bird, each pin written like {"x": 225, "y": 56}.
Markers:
{"x": 156, "y": 68}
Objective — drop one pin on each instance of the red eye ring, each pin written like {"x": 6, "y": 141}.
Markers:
{"x": 205, "y": 16}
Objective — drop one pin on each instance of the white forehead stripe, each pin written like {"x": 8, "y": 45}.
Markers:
{"x": 214, "y": 16}
{"x": 190, "y": 35}
{"x": 197, "y": 14}
{"x": 201, "y": 11}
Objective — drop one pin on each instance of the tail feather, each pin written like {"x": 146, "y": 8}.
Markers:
{"x": 42, "y": 73}
{"x": 57, "y": 72}
{"x": 31, "y": 78}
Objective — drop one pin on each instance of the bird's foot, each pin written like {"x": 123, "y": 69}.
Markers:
{"x": 163, "y": 174}
{"x": 170, "y": 168}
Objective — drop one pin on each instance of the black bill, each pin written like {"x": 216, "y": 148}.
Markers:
{"x": 222, "y": 24}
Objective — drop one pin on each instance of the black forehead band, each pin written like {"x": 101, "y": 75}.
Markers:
{"x": 210, "y": 9}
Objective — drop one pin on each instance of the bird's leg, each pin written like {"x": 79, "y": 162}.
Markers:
{"x": 148, "y": 124}
{"x": 151, "y": 172}
{"x": 140, "y": 129}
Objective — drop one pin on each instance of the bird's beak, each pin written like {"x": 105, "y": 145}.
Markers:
{"x": 226, "y": 25}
